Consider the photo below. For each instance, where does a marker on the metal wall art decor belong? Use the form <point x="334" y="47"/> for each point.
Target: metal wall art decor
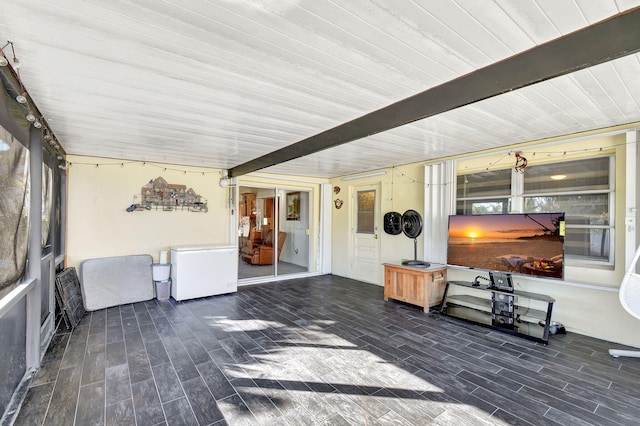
<point x="338" y="203"/>
<point x="157" y="194"/>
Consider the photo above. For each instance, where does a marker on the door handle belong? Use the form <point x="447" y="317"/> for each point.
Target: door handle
<point x="375" y="236"/>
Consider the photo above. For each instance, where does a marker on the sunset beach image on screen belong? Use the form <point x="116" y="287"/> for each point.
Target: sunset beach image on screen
<point x="530" y="243"/>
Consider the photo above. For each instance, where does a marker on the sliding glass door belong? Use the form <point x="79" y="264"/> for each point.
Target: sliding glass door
<point x="273" y="235"/>
<point x="294" y="229"/>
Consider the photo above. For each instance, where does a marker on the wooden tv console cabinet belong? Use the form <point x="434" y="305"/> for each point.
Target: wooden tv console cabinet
<point x="418" y="286"/>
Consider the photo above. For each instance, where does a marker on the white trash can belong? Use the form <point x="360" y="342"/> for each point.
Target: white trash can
<point x="163" y="289"/>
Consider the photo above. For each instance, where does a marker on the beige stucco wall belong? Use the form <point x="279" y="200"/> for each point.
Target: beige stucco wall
<point x="98" y="224"/>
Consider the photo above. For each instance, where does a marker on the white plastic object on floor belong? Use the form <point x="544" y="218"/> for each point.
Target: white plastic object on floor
<point x="620" y="352"/>
<point x="163" y="289"/>
<point x="161" y="271"/>
<point x="629" y="295"/>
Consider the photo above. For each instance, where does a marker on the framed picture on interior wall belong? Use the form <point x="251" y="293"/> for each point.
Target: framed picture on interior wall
<point x="293" y="206"/>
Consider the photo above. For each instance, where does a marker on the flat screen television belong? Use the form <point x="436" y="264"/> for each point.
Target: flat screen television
<point x="529" y="243"/>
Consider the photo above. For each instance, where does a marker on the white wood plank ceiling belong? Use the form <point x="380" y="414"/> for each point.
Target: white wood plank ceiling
<point x="219" y="83"/>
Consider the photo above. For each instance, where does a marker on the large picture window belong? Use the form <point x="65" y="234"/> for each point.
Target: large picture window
<point x="582" y="189"/>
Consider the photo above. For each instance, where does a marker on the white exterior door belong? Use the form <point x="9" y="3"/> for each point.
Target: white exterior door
<point x="364" y="264"/>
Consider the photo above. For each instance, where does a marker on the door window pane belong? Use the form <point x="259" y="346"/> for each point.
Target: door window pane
<point x="365" y="205"/>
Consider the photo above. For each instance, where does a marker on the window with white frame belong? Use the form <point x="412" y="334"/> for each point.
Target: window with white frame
<point x="486" y="192"/>
<point x="582" y="189"/>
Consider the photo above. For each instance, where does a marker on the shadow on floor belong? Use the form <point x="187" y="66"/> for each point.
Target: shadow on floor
<point x="319" y="350"/>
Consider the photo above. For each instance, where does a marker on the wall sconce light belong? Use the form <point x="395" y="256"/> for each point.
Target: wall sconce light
<point x="224" y="180"/>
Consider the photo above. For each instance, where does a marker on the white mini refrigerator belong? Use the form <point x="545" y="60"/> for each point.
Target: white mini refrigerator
<point x="204" y="270"/>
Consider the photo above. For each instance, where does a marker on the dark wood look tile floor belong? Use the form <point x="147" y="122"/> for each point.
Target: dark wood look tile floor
<point x="323" y="350"/>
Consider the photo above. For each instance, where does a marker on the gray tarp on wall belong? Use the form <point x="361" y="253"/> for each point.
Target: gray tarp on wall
<point x="14" y="209"/>
<point x="14" y="187"/>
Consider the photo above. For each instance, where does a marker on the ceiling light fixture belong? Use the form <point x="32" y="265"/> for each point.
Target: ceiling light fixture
<point x="366" y="175"/>
<point x="30" y="117"/>
<point x="558" y="177"/>
<point x="22" y="98"/>
<point x="37" y="124"/>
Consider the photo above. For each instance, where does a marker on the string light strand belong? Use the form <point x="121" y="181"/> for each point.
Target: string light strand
<point x="122" y="164"/>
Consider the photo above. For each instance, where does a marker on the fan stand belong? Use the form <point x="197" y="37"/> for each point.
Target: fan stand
<point x="415" y="261"/>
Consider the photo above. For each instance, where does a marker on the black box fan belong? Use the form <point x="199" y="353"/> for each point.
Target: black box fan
<point x="412" y="228"/>
<point x="392" y="223"/>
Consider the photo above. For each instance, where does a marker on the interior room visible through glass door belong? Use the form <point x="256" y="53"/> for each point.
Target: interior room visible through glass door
<point x="272" y="232"/>
<point x="257" y="221"/>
